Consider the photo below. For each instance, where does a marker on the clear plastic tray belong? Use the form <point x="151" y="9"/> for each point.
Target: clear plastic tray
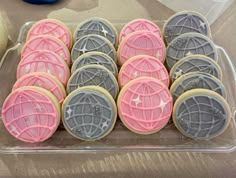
<point x="120" y="139"/>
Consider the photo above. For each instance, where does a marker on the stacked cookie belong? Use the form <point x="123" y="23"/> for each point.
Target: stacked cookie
<point x="144" y="103"/>
<point x="89" y="111"/>
<point x="31" y="113"/>
<point x="200" y="109"/>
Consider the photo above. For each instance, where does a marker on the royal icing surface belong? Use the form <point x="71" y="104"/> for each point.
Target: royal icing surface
<point x="44" y="61"/>
<point x="141" y="43"/>
<point x="46" y="42"/>
<point x="30" y="115"/>
<point x="145" y="105"/>
<point x="143" y="66"/>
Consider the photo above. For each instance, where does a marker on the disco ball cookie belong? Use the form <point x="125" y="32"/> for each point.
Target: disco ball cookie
<point x="141" y="43"/>
<point x="95" y="58"/>
<point x="97" y="26"/>
<point x="195" y="63"/>
<point x="93" y="75"/>
<point x="143" y="66"/>
<point x="51" y="27"/>
<point x="46" y="42"/>
<point x="194" y="80"/>
<point x="201" y="114"/>
<point x="185" y="22"/>
<point x="89" y="113"/>
<point x="43" y="80"/>
<point x="187" y="45"/>
<point x="139" y="25"/>
<point x="31" y="114"/>
<point x="145" y="105"/>
<point x="44" y="61"/>
<point x="90" y="43"/>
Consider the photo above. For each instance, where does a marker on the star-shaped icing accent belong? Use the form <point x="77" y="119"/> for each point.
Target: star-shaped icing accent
<point x="27" y="68"/>
<point x="69" y="111"/>
<point x="135" y="74"/>
<point x="137" y="100"/>
<point x="48" y="71"/>
<point x="162" y="105"/>
<point x="178" y="74"/>
<point x="84" y="49"/>
<point x="13" y="129"/>
<point x="104" y="124"/>
<point x="105" y="32"/>
<point x="202" y="24"/>
<point x="158" y="55"/>
<point x="189" y="53"/>
<point x="38" y="107"/>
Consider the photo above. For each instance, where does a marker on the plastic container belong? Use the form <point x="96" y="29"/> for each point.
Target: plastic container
<point x="121" y="139"/>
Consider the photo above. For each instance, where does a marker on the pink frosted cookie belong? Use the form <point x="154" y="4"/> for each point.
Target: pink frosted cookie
<point x="44" y="61"/>
<point x="43" y="80"/>
<point x="145" y="105"/>
<point x="141" y="42"/>
<point x="138" y="25"/>
<point x="31" y="114"/>
<point x="143" y="66"/>
<point x="46" y="42"/>
<point x="51" y="27"/>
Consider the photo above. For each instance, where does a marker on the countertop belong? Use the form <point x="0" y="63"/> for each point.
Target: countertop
<point x="130" y="164"/>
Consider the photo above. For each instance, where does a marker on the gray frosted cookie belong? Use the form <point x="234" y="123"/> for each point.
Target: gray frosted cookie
<point x="194" y="80"/>
<point x="201" y="114"/>
<point x="89" y="113"/>
<point x="90" y="43"/>
<point x="95" y="58"/>
<point x="96" y="75"/>
<point x="187" y="45"/>
<point x="97" y="26"/>
<point x="195" y="63"/>
<point x="185" y="22"/>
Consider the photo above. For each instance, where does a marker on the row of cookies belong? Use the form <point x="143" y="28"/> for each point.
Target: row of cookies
<point x="200" y="108"/>
<point x="32" y="111"/>
<point x="89" y="110"/>
<point x="144" y="103"/>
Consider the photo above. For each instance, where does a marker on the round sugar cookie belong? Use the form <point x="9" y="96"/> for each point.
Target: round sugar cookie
<point x="93" y="75"/>
<point x="194" y="80"/>
<point x="97" y="26"/>
<point x="201" y="114"/>
<point x="46" y="42"/>
<point x="90" y="43"/>
<point x="187" y="45"/>
<point x="31" y="114"/>
<point x="44" y="61"/>
<point x="141" y="43"/>
<point x="185" y="22"/>
<point x="143" y="66"/>
<point x="51" y="27"/>
<point x="195" y="63"/>
<point x="139" y="25"/>
<point x="95" y="58"/>
<point x="145" y="105"/>
<point x="43" y="80"/>
<point x="89" y="113"/>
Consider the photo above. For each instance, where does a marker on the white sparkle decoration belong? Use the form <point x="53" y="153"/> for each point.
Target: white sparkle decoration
<point x="135" y="74"/>
<point x="84" y="49"/>
<point x="27" y="68"/>
<point x="158" y="55"/>
<point x="105" y="32"/>
<point x="202" y="24"/>
<point x="38" y="107"/>
<point x="178" y="74"/>
<point x="137" y="100"/>
<point x="69" y="111"/>
<point x="189" y="53"/>
<point x="104" y="124"/>
<point x="162" y="105"/>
